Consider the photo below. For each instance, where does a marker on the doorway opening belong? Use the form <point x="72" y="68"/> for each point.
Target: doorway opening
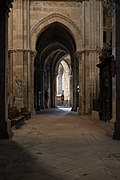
<point x="63" y="90"/>
<point x="54" y="72"/>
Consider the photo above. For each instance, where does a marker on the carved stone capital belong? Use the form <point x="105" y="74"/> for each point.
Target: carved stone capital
<point x="112" y="5"/>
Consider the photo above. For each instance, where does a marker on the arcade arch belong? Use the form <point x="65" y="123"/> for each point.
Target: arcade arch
<point x="41" y="25"/>
<point x="54" y="43"/>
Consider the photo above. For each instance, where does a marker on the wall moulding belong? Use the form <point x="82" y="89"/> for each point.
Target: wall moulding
<point x="25" y="52"/>
<point x="19" y="50"/>
<point x="88" y="51"/>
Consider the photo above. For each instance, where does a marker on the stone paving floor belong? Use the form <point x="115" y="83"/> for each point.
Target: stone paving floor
<point x="60" y="145"/>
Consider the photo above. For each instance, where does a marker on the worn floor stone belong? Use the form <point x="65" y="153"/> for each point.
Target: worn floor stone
<point x="60" y="145"/>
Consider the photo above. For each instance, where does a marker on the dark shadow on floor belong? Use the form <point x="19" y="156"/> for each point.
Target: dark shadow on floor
<point x="18" y="164"/>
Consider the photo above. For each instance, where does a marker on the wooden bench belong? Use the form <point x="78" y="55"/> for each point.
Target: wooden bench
<point x="15" y="116"/>
<point x="26" y="113"/>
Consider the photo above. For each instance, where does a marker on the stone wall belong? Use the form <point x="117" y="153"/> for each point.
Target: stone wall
<point x="28" y="19"/>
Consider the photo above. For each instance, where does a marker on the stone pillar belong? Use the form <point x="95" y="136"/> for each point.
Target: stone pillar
<point x="10" y="79"/>
<point x="51" y="89"/>
<point x="19" y="66"/>
<point x="116" y="52"/>
<point x="81" y="80"/>
<point x="59" y="83"/>
<point x="54" y="86"/>
<point x="41" y="84"/>
<point x="85" y="69"/>
<point x="95" y="44"/>
<point x="71" y="87"/>
<point x="48" y="79"/>
<point x="74" y="71"/>
<point x="4" y="9"/>
<point x="25" y="76"/>
<point x="31" y="86"/>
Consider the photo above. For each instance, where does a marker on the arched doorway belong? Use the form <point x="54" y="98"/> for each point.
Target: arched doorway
<point x="63" y="83"/>
<point x="54" y="43"/>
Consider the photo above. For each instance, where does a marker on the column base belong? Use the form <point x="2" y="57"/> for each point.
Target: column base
<point x="3" y="130"/>
<point x="116" y="134"/>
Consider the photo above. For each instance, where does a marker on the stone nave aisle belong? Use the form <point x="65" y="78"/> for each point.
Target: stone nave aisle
<point x="58" y="144"/>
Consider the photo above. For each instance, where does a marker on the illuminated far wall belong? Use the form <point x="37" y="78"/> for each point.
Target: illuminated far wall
<point x="63" y="83"/>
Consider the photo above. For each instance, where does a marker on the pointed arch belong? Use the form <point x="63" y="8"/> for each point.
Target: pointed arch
<point x="40" y="25"/>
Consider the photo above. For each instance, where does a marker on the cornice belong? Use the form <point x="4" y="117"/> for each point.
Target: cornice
<point x="87" y="51"/>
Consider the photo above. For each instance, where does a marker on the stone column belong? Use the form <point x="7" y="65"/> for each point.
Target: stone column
<point x="41" y="86"/>
<point x="31" y="86"/>
<point x="59" y="83"/>
<point x="10" y="87"/>
<point x="54" y="90"/>
<point x="4" y="10"/>
<point x="116" y="52"/>
<point x="26" y="57"/>
<point x="48" y="79"/>
<point x="95" y="44"/>
<point x="71" y="87"/>
<point x="48" y="88"/>
<point x="25" y="76"/>
<point x="85" y="69"/>
<point x="81" y="80"/>
<point x="73" y="66"/>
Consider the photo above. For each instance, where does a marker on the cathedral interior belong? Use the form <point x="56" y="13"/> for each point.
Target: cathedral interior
<point x="59" y="54"/>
